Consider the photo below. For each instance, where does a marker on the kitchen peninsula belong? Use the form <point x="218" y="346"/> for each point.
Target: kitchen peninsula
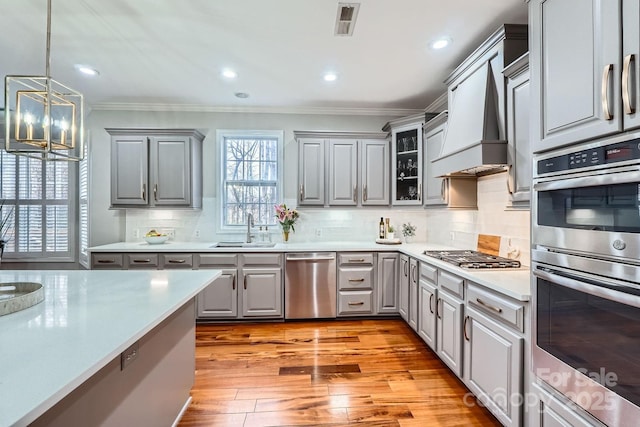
<point x="104" y="347"/>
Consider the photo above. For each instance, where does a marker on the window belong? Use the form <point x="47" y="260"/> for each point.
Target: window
<point x="251" y="164"/>
<point x="83" y="208"/>
<point x="38" y="195"/>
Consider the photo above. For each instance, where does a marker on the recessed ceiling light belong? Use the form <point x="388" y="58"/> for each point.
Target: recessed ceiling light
<point x="330" y="77"/>
<point x="229" y="73"/>
<point x="241" y="95"/>
<point x="85" y="69"/>
<point x="440" y="43"/>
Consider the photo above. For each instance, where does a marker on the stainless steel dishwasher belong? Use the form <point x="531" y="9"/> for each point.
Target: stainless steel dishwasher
<point x="310" y="285"/>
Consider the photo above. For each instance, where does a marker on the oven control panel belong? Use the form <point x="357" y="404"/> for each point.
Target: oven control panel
<point x="606" y="154"/>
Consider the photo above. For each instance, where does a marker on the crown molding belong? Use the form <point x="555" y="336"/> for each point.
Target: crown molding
<point x="191" y="108"/>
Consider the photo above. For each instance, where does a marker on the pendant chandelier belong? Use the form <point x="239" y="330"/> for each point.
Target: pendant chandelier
<point x="43" y="118"/>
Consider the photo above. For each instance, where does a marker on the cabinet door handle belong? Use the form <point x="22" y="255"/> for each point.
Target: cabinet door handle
<point x="606" y="73"/>
<point x="301" y="192"/>
<point x="431" y="302"/>
<point x="404" y="268"/>
<point x="177" y="261"/>
<point x="509" y="177"/>
<point x="155" y="192"/>
<point x="364" y="194"/>
<point x="464" y="328"/>
<point x="355" y="193"/>
<point x="106" y="261"/>
<point x="438" y="311"/>
<point x="141" y="261"/>
<point x="244" y="285"/>
<point x="356" y="280"/>
<point x="356" y="303"/>
<point x="233" y="282"/>
<point x="490" y="307"/>
<point x="413" y="273"/>
<point x="419" y="192"/>
<point x="144" y="192"/>
<point x="626" y="95"/>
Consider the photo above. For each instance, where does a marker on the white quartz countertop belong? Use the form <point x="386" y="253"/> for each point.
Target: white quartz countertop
<point x="510" y="282"/>
<point x="87" y="319"/>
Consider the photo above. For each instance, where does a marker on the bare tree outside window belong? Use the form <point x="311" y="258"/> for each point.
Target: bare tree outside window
<point x="250" y="181"/>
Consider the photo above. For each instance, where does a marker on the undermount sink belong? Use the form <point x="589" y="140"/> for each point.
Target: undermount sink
<point x="243" y="245"/>
<point x="17" y="296"/>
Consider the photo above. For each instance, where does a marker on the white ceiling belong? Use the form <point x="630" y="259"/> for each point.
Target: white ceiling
<point x="170" y="53"/>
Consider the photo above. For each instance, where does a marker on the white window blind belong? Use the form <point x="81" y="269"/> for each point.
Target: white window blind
<point x="251" y="171"/>
<point x="83" y="208"/>
<point x="38" y="196"/>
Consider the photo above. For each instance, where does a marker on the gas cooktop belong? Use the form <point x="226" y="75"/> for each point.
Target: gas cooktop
<point x="473" y="259"/>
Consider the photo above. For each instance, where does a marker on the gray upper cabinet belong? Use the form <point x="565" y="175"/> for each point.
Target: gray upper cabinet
<point x="576" y="69"/>
<point x="434" y="129"/>
<point x="374" y="167"/>
<point x="343" y="172"/>
<point x="631" y="64"/>
<point x="406" y="160"/>
<point x="518" y="148"/>
<point x="311" y="153"/>
<point x="343" y="169"/>
<point x="153" y="167"/>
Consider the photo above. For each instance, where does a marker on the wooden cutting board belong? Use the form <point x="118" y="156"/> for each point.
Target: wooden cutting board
<point x="489" y="244"/>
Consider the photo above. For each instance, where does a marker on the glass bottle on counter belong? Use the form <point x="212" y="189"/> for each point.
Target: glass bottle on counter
<point x="381" y="229"/>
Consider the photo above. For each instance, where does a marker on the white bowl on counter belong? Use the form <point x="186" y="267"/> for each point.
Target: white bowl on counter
<point x="156" y="240"/>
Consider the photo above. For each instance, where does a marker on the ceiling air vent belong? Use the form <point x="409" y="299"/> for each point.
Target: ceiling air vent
<point x="346" y="18"/>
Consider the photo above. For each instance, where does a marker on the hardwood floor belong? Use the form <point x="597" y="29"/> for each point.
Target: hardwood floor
<point x="324" y="373"/>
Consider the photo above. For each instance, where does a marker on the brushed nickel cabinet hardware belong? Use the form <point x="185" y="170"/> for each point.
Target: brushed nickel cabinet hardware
<point x="490" y="307"/>
<point x="606" y="73"/>
<point x="626" y="96"/>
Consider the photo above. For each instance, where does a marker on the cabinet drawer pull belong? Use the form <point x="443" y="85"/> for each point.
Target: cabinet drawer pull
<point x="464" y="328"/>
<point x="357" y="303"/>
<point x="606" y="73"/>
<point x="141" y="261"/>
<point x="626" y="96"/>
<point x="144" y="192"/>
<point x="356" y="280"/>
<point x="106" y="261"/>
<point x="356" y="259"/>
<point x="490" y="307"/>
<point x="177" y="261"/>
<point x="431" y="303"/>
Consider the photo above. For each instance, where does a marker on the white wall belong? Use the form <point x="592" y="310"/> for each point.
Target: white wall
<point x="433" y="225"/>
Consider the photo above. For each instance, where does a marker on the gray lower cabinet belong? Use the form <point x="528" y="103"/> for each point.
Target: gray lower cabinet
<point x="154" y="167"/>
<point x="356" y="281"/>
<point x="557" y="411"/>
<point x="450" y="311"/>
<point x="518" y="147"/>
<point x="403" y="288"/>
<point x="262" y="291"/>
<point x="220" y="299"/>
<point x="493" y="366"/>
<point x="427" y="300"/>
<point x="413" y="294"/>
<point x="387" y="289"/>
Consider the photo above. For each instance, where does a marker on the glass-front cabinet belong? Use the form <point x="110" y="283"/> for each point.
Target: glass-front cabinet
<point x="406" y="166"/>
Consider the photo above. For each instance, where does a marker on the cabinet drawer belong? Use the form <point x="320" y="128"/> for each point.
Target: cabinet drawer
<point x="355" y="278"/>
<point x="170" y="261"/>
<point x="355" y="258"/>
<point x="509" y="311"/>
<point x="355" y="302"/>
<point x="114" y="261"/>
<point x="428" y="273"/>
<point x="452" y="283"/>
<point x="141" y="260"/>
<point x="262" y="259"/>
<point x="215" y="260"/>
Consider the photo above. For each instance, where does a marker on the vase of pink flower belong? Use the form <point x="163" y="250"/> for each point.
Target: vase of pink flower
<point x="287" y="218"/>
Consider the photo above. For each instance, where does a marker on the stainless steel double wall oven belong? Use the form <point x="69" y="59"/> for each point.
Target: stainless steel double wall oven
<point x="586" y="275"/>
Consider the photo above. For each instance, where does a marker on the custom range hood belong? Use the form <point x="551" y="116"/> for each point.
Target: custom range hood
<point x="475" y="141"/>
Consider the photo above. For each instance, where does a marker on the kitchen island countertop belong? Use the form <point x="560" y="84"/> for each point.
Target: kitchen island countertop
<point x="514" y="283"/>
<point x="86" y="320"/>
